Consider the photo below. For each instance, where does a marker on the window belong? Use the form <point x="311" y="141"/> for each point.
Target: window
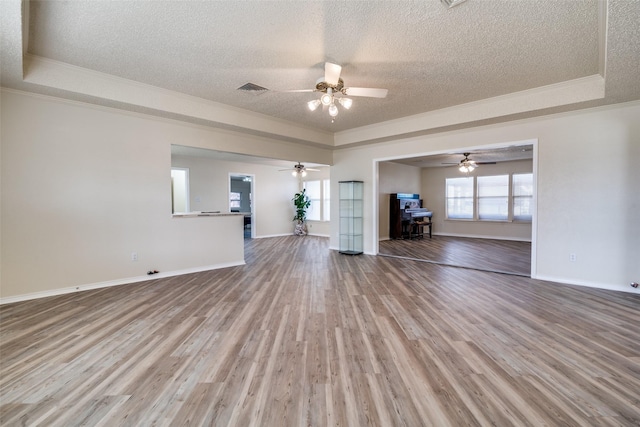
<point x="314" y="213"/>
<point x="179" y="190"/>
<point x="319" y="195"/>
<point x="490" y="198"/>
<point x="459" y="193"/>
<point x="493" y="197"/>
<point x="522" y="196"/>
<point x="326" y="199"/>
<point x="235" y="200"/>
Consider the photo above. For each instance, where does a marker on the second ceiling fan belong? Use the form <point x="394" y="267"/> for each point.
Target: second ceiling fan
<point x="467" y="165"/>
<point x="300" y="170"/>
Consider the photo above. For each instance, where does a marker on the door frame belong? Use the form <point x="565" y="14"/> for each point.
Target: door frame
<point x="252" y="198"/>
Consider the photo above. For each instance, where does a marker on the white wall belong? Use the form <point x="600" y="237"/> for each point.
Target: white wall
<point x="433" y="193"/>
<point x="83" y="187"/>
<point x="394" y="178"/>
<point x="588" y="188"/>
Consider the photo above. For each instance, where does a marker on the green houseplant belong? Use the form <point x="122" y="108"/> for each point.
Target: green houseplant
<point x="301" y="202"/>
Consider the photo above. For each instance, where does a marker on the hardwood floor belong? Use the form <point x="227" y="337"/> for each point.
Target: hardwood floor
<point x="302" y="335"/>
<point x="501" y="256"/>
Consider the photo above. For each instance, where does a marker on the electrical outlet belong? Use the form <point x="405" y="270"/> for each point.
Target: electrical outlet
<point x="572" y="257"/>
<point x="134" y="256"/>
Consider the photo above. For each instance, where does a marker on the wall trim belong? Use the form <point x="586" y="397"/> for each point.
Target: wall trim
<point x="266" y="236"/>
<point x="318" y="234"/>
<point x="587" y="284"/>
<point x="479" y="236"/>
<point x="110" y="88"/>
<point x="117" y="282"/>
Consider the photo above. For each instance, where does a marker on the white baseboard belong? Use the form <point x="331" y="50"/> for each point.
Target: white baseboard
<point x="477" y="236"/>
<point x="266" y="236"/>
<point x="117" y="282"/>
<point x="597" y="285"/>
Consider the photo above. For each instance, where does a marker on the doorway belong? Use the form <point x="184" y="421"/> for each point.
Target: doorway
<point x="241" y="200"/>
<point x="506" y="245"/>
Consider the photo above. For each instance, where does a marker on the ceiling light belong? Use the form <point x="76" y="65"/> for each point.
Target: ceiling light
<point x="452" y="3"/>
<point x="303" y="173"/>
<point x="314" y="104"/>
<point x="333" y="110"/>
<point x="327" y="98"/>
<point x="346" y="102"/>
<point x="466" y="168"/>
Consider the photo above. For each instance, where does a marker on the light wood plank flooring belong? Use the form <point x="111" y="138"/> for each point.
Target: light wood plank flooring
<point x="304" y="336"/>
<point x="502" y="256"/>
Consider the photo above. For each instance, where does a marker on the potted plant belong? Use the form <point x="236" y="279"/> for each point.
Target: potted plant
<point x="302" y="203"/>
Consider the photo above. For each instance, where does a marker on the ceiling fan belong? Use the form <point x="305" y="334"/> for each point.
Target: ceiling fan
<point x="331" y="85"/>
<point x="300" y="170"/>
<point x="467" y="165"/>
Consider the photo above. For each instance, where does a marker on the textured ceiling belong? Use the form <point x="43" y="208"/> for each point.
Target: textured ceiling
<point x="429" y="57"/>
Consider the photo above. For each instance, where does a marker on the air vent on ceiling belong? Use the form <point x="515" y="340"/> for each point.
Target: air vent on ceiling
<point x="252" y="87"/>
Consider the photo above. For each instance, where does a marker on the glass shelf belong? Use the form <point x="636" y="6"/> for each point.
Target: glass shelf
<point x="351" y="217"/>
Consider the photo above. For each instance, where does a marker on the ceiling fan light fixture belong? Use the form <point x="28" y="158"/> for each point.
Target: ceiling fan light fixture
<point x="346" y="102"/>
<point x="467" y="166"/>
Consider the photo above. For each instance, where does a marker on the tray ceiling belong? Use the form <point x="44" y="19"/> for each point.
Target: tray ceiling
<point x="430" y="58"/>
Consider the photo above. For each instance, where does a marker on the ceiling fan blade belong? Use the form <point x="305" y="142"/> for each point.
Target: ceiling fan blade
<point x="332" y="73"/>
<point x="366" y="91"/>
<point x="312" y="169"/>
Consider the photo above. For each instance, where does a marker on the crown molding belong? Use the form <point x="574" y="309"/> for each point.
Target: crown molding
<point x="71" y="78"/>
<point x="569" y="92"/>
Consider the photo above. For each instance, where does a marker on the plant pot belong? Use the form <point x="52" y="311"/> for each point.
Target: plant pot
<point x="300" y="228"/>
